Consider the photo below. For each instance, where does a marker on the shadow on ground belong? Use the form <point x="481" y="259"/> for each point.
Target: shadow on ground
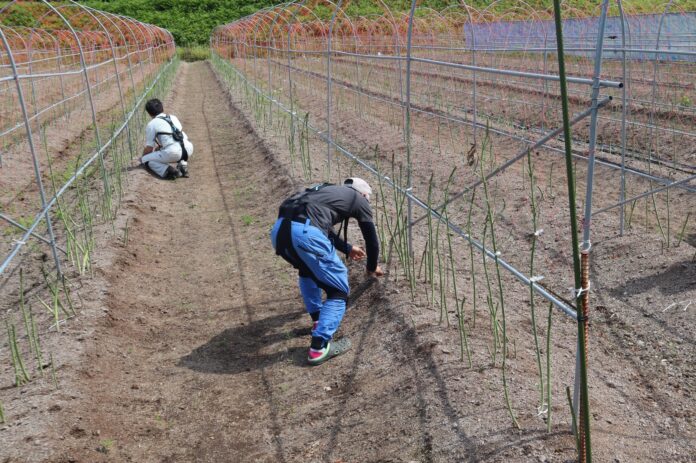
<point x="238" y="349"/>
<point x="676" y="279"/>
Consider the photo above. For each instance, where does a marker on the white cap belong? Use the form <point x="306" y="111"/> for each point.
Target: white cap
<point x="359" y="185"/>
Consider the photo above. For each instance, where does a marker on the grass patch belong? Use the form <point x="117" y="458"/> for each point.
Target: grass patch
<point x="105" y="446"/>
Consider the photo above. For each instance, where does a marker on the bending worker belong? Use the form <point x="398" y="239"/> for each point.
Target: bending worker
<point x="303" y="235"/>
<point x="165" y="143"/>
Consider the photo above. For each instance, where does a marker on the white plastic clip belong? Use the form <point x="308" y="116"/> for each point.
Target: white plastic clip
<point x="536" y="278"/>
<point x="579" y="291"/>
<point x="539" y="232"/>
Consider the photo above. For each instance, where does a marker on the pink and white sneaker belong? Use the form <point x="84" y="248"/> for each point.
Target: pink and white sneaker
<point x="332" y="349"/>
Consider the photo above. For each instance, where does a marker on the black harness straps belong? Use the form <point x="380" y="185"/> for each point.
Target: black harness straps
<point x="293" y="209"/>
<point x="176" y="134"/>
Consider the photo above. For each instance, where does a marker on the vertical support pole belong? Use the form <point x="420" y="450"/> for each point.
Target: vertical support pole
<point x="397" y="39"/>
<point x="130" y="73"/>
<point x="651" y="141"/>
<point x="546" y="83"/>
<point x="107" y="188"/>
<point x="237" y="51"/>
<point x="139" y="36"/>
<point x="586" y="224"/>
<point x="30" y="62"/>
<point x="289" y="56"/>
<point x="585" y="296"/>
<point x="473" y="75"/>
<point x="358" y="49"/>
<point x="622" y="192"/>
<point x="653" y="93"/>
<point x="269" y="49"/>
<point x="255" y="48"/>
<point x="581" y="403"/>
<point x="150" y="46"/>
<point x="32" y="149"/>
<point x="407" y="134"/>
<point x="328" y="91"/>
<point x="59" y="60"/>
<point x="282" y="10"/>
<point x="581" y="366"/>
<point x="245" y="43"/>
<point x="118" y="78"/>
<point x="289" y="53"/>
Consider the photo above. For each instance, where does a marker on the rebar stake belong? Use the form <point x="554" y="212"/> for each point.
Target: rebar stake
<point x="585" y="285"/>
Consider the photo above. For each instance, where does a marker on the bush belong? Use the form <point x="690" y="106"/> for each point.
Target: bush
<point x="193" y="53"/>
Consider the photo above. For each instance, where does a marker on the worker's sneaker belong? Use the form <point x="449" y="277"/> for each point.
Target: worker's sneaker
<point x="183" y="169"/>
<point x="332" y="349"/>
<point x="171" y="173"/>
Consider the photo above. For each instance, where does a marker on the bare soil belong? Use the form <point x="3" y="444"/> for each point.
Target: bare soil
<point x="191" y="342"/>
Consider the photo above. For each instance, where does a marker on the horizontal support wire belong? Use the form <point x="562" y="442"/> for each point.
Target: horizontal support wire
<point x="647" y="193"/>
<point x="565" y="306"/>
<point x="635" y="100"/>
<point x="48" y="108"/>
<point x="577" y="155"/>
<point x="42" y="214"/>
<point x="61" y="57"/>
<point x="527" y="75"/>
<point x="665" y="51"/>
<point x="62" y="73"/>
<point x="35" y="235"/>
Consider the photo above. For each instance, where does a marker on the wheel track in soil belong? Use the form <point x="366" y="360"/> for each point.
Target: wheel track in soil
<point x="220" y="170"/>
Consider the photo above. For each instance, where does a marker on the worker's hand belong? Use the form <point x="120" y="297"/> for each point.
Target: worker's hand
<point x="357" y="253"/>
<point x="377" y="273"/>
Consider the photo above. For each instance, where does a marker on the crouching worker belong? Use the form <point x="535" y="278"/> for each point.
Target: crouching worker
<point x="304" y="236"/>
<point x="165" y="143"/>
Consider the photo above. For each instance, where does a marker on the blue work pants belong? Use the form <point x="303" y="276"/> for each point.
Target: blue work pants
<point x="326" y="271"/>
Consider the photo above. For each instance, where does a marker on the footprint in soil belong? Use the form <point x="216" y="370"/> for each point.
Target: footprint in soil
<point x="238" y="349"/>
<point x="78" y="432"/>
